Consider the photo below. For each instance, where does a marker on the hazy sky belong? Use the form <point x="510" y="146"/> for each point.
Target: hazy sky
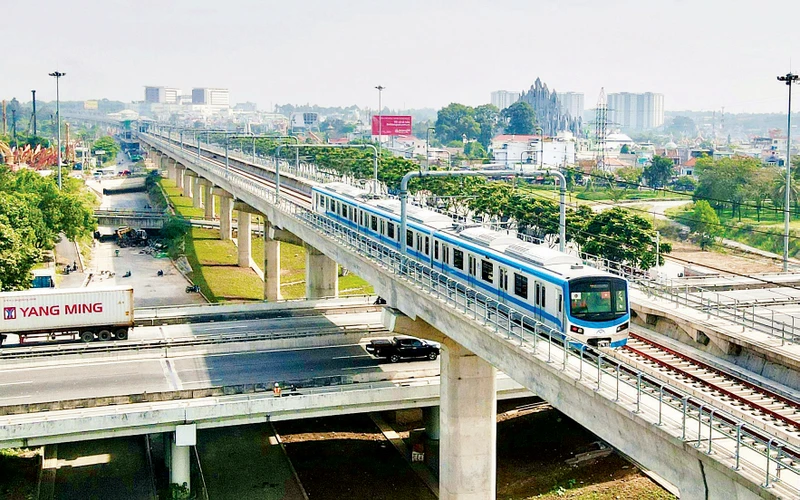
<point x="701" y="54"/>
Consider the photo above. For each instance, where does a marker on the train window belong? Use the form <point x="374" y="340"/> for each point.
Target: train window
<point x="537" y="294"/>
<point x="473" y="264"/>
<point x="409" y="238"/>
<point x="520" y="286"/>
<point x="544" y="296"/>
<point x="560" y="302"/>
<point x="419" y="243"/>
<point x="390" y="230"/>
<point x="621" y="305"/>
<point x="458" y="259"/>
<point x="503" y="279"/>
<point x="383" y="226"/>
<point x="487" y="271"/>
<point x="436" y="249"/>
<point x="344" y="210"/>
<point x="334" y="207"/>
<point x="427" y="246"/>
<point x="373" y="222"/>
<point x="360" y="217"/>
<point x="354" y="215"/>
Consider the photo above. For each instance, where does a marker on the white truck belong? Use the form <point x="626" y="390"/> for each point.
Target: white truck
<point x="85" y="313"/>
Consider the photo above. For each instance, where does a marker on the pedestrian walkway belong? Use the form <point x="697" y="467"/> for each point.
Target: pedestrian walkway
<point x="67" y="254"/>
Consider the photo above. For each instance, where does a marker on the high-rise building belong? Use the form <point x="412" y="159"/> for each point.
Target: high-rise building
<point x="504" y="98"/>
<point x="636" y="111"/>
<point x="571" y="102"/>
<point x="161" y="95"/>
<point x="211" y="97"/>
<point x="153" y="95"/>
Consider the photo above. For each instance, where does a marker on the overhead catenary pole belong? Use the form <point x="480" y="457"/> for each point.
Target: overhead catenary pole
<point x="562" y="220"/>
<point x="57" y="75"/>
<point x="376" y="153"/>
<point x="789" y="79"/>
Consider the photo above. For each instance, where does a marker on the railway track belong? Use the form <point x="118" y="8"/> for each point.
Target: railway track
<point x="754" y="404"/>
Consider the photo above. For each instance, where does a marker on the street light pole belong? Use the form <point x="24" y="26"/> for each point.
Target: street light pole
<point x="789" y="79"/>
<point x="380" y="124"/>
<point x="58" y="75"/>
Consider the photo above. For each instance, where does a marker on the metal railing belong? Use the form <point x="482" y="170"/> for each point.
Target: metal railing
<point x="707" y="427"/>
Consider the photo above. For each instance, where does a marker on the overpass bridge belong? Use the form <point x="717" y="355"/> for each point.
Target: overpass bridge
<point x="698" y="444"/>
<point x="140" y="219"/>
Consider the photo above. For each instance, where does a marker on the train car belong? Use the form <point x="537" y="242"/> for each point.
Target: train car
<point x="587" y="305"/>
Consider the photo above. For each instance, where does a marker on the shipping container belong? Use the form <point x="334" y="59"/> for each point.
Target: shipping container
<point x="85" y="313"/>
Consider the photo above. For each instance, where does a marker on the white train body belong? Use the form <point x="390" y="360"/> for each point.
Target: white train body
<point x="583" y="303"/>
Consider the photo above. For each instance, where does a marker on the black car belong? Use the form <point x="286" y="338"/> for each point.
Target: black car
<point x="402" y="348"/>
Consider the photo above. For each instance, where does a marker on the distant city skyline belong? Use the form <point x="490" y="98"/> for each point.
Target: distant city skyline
<point x="426" y="54"/>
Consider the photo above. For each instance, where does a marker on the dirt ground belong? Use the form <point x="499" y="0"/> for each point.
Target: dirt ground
<point x="726" y="259"/>
<point x="19" y="472"/>
<point x="347" y="457"/>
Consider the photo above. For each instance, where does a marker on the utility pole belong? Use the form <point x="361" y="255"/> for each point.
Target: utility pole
<point x="58" y="75"/>
<point x="789" y="79"/>
<point x="380" y="122"/>
<point x="14" y="126"/>
<point x="34" y="112"/>
<point x="4" y="117"/>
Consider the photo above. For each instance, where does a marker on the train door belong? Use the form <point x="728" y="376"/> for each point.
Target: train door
<point x="502" y="285"/>
<point x="473" y="269"/>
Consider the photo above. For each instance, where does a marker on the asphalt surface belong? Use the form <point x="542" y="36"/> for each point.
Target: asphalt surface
<point x="109" y="377"/>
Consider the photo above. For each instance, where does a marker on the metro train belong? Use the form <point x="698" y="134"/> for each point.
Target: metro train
<point x="529" y="278"/>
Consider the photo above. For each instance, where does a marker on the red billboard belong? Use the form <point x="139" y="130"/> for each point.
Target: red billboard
<point x="391" y="125"/>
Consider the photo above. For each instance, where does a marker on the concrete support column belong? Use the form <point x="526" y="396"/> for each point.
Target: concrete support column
<point x="208" y="199"/>
<point x="469" y="432"/>
<point x="197" y="193"/>
<point x="430" y="419"/>
<point x="179" y="458"/>
<point x="272" y="265"/>
<point x="322" y="274"/>
<point x="243" y="238"/>
<point x="225" y="213"/>
<point x="179" y="171"/>
<point x="179" y="471"/>
<point x="188" y="183"/>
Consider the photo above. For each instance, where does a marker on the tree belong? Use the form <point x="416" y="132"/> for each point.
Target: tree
<point x="487" y="116"/>
<point x="475" y="150"/>
<point x="631" y="177"/>
<point x="455" y="121"/>
<point x="658" y="172"/>
<point x="624" y="149"/>
<point x="623" y="237"/>
<point x="685" y="183"/>
<point x="761" y="186"/>
<point x="107" y="144"/>
<point x="682" y="126"/>
<point x="520" y="118"/>
<point x="723" y="181"/>
<point x="704" y="222"/>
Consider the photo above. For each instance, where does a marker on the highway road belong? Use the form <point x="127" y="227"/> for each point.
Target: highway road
<point x="195" y="369"/>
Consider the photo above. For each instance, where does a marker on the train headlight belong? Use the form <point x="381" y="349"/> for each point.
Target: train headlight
<point x="623" y="326"/>
<point x="576" y="329"/>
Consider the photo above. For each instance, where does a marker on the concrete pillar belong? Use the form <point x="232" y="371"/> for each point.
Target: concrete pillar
<point x="179" y="470"/>
<point x="322" y="274"/>
<point x="469" y="432"/>
<point x="225" y="213"/>
<point x="208" y="200"/>
<point x="179" y="171"/>
<point x="179" y="459"/>
<point x="243" y="237"/>
<point x="272" y="265"/>
<point x="430" y="419"/>
<point x="188" y="183"/>
<point x="197" y="193"/>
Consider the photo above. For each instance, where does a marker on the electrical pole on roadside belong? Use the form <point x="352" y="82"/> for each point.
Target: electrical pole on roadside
<point x="789" y="79"/>
<point x="58" y="75"/>
<point x="33" y="117"/>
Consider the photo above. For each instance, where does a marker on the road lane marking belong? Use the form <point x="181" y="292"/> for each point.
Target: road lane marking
<point x="171" y="375"/>
<point x="17" y="383"/>
<point x="352" y="357"/>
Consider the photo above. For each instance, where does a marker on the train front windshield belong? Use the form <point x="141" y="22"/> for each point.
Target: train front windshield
<point x="598" y="299"/>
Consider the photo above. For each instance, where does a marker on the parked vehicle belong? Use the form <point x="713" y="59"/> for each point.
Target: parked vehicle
<point x="88" y="314"/>
<point x="130" y="237"/>
<point x="402" y="348"/>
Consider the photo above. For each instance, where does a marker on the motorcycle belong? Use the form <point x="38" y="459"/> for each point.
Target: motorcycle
<point x="192" y="288"/>
<point x="160" y="272"/>
<point x="126" y="275"/>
